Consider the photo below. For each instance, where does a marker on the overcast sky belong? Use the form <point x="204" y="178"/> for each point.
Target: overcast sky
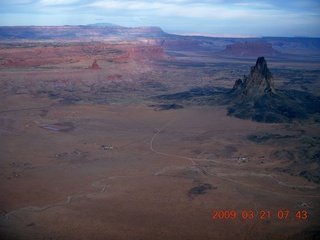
<point x="231" y="17"/>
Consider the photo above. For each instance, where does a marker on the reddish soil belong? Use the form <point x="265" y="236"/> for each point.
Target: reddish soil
<point x="57" y="55"/>
<point x="88" y="154"/>
<point x="141" y="188"/>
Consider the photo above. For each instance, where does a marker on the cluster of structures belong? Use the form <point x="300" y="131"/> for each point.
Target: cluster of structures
<point x="104" y="147"/>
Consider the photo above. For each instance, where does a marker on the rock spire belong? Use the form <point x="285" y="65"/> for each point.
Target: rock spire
<point x="259" y="82"/>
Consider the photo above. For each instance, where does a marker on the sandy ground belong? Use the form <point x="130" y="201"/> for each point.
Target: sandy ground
<point x="130" y="172"/>
<point x="109" y="166"/>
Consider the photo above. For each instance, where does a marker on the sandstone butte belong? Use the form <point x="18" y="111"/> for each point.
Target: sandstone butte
<point x="95" y="65"/>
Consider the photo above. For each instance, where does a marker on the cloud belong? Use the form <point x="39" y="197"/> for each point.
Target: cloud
<point x="128" y="5"/>
<point x="57" y="2"/>
<point x="200" y="9"/>
<point x="16" y="2"/>
<point x="216" y="9"/>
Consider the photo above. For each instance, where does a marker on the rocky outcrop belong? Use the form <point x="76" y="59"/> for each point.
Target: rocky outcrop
<point x="255" y="98"/>
<point x="259" y="82"/>
<point x="95" y="65"/>
<point x="250" y="49"/>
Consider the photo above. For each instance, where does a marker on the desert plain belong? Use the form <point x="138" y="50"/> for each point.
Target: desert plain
<point x="92" y="147"/>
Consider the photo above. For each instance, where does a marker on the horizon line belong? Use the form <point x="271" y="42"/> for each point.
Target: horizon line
<point x="176" y="32"/>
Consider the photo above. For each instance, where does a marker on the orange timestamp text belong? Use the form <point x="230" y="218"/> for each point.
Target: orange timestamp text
<point x="262" y="214"/>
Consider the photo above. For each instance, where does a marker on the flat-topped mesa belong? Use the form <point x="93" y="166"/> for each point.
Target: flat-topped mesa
<point x="79" y="33"/>
<point x="252" y="49"/>
<point x="259" y="82"/>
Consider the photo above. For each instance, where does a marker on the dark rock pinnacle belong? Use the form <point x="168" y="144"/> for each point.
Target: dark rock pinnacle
<point x="259" y="82"/>
<point x="254" y="98"/>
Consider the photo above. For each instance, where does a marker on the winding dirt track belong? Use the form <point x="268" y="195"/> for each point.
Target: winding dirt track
<point x="103" y="184"/>
<point x="228" y="175"/>
<point x="166" y="154"/>
<point x="292" y="197"/>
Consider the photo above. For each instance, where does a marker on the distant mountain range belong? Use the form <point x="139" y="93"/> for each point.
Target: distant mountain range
<point x="102" y="25"/>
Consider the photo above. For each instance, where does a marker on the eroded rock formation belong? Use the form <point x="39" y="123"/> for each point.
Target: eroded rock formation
<point x="255" y="98"/>
<point x="61" y="54"/>
<point x="259" y="82"/>
<point x="95" y="65"/>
